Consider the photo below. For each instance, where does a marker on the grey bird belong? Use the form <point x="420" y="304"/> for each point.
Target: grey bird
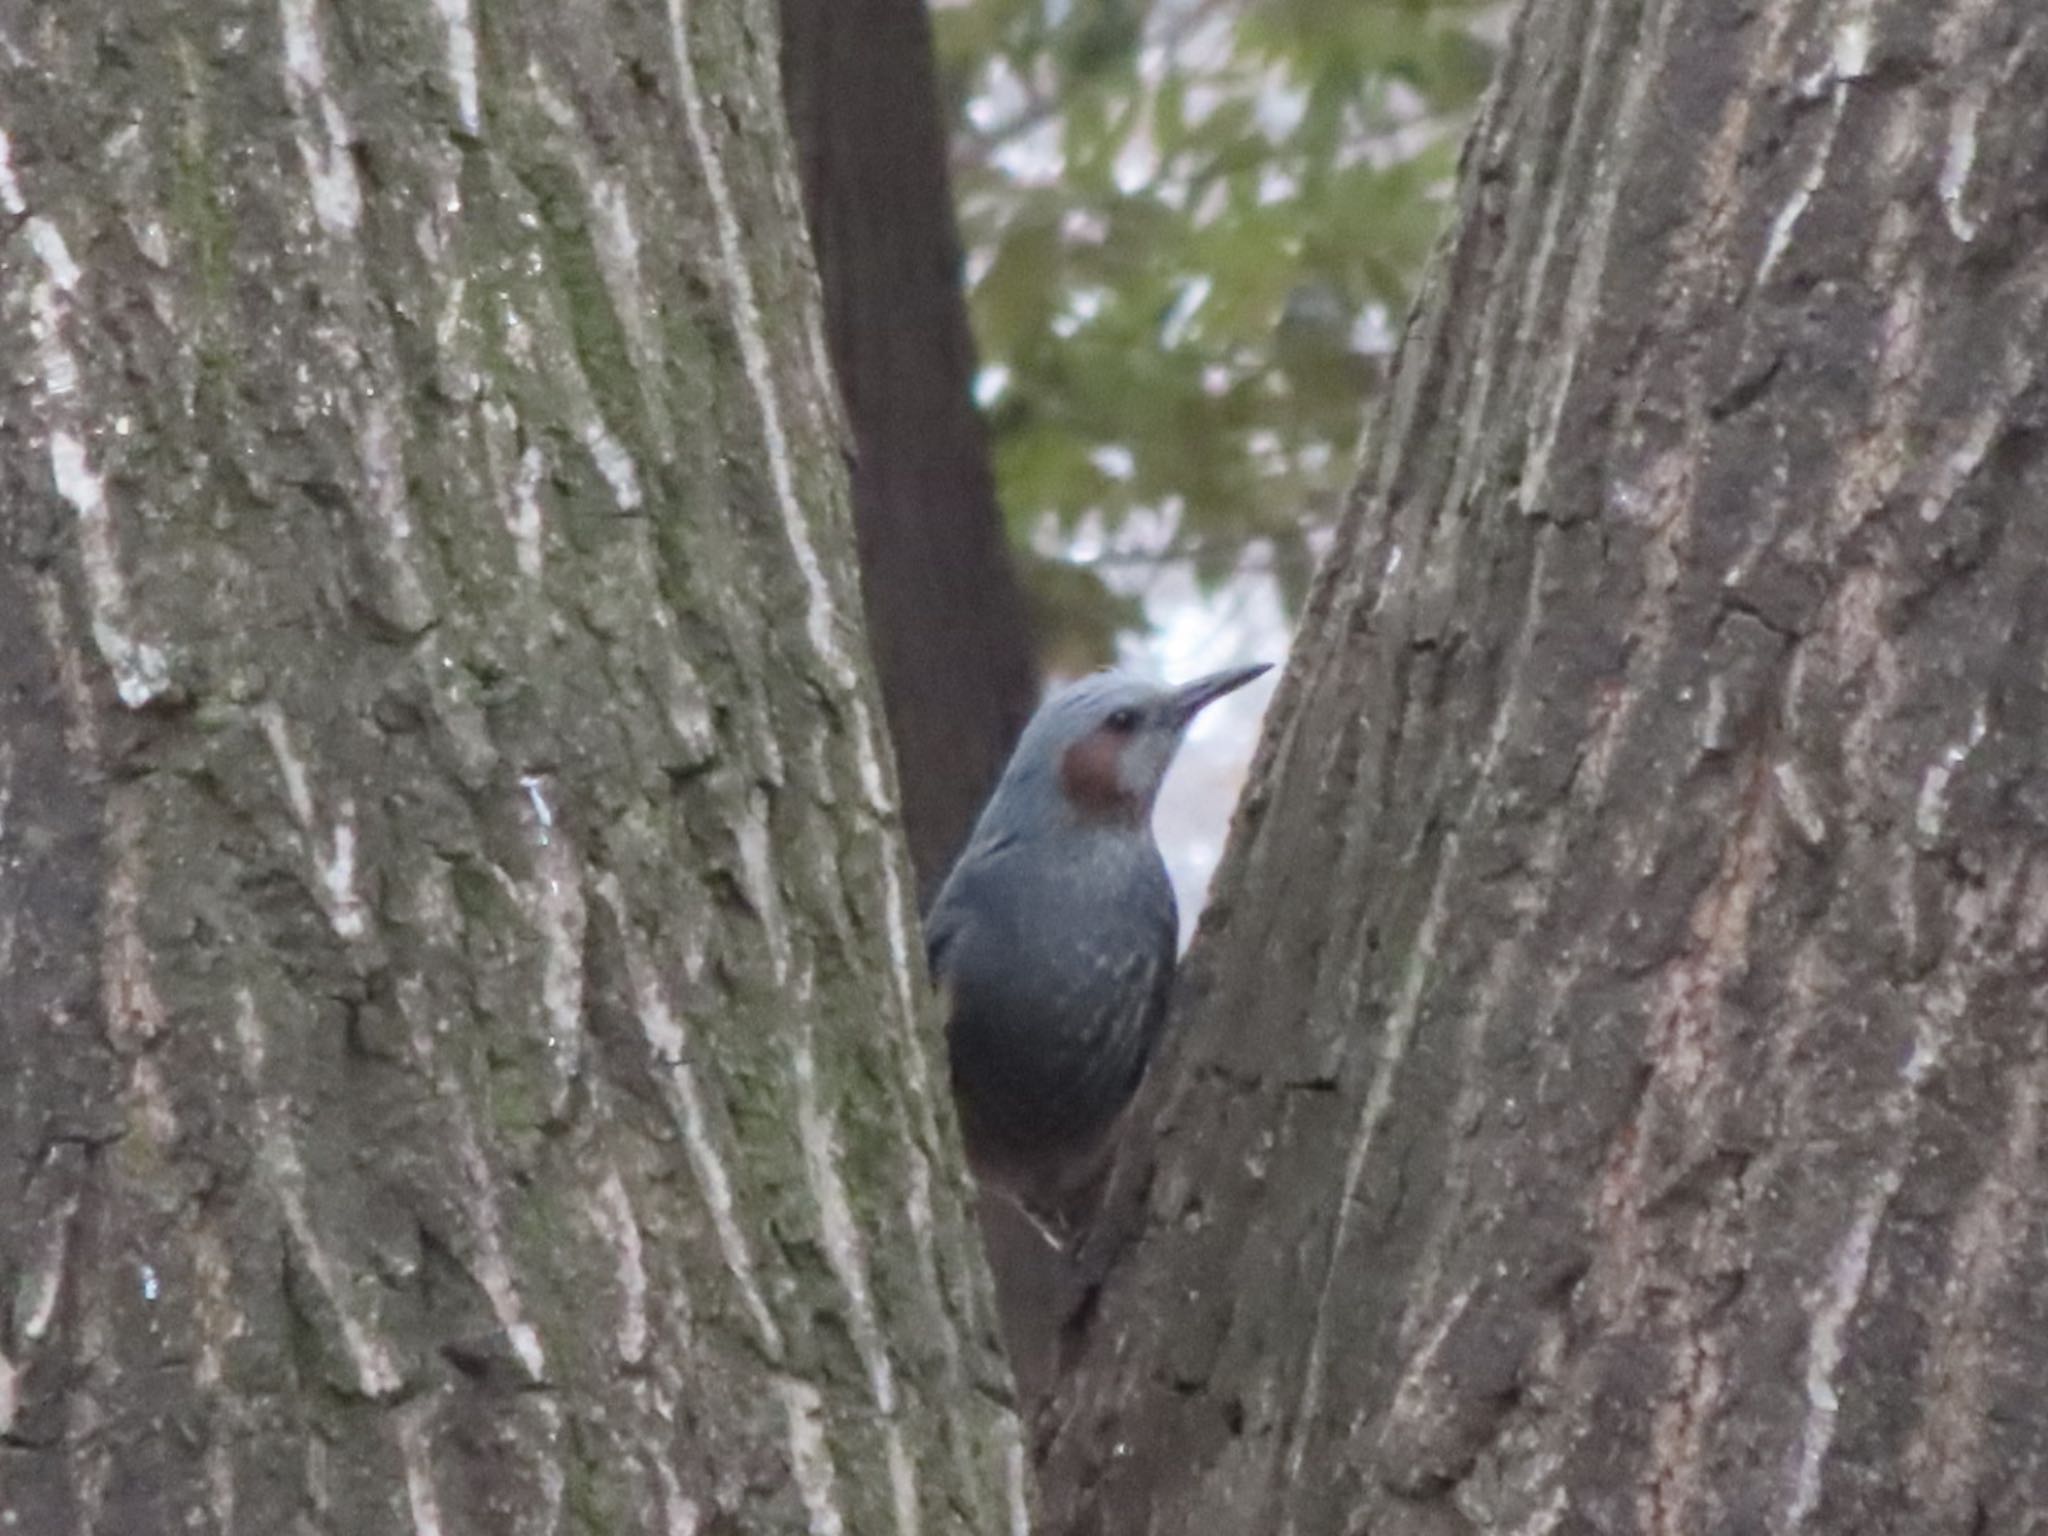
<point x="1053" y="940"/>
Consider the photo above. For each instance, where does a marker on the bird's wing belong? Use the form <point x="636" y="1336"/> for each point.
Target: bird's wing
<point x="1159" y="989"/>
<point x="1062" y="1194"/>
<point x="950" y="909"/>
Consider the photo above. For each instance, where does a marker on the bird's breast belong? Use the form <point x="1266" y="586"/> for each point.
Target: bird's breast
<point x="1056" y="976"/>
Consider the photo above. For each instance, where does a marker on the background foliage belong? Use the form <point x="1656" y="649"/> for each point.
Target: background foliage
<point x="1192" y="230"/>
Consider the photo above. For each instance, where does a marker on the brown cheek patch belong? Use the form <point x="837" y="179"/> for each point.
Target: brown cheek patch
<point x="1088" y="775"/>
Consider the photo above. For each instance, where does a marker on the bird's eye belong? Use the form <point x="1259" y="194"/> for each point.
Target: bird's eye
<point x="1122" y="720"/>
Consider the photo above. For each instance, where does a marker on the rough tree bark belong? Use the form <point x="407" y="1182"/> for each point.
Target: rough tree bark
<point x="946" y="616"/>
<point x="462" y="1071"/>
<point x="1611" y="1094"/>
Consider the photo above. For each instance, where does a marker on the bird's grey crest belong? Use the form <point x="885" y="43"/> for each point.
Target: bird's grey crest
<point x="1136" y="724"/>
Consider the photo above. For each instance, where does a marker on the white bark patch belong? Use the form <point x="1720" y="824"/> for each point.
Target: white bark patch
<point x="902" y="1478"/>
<point x="345" y="909"/>
<point x="689" y="707"/>
<point x="844" y="1251"/>
<point x="764" y="892"/>
<point x="618" y="258"/>
<point x="459" y="19"/>
<point x="1794" y="209"/>
<point x="900" y="974"/>
<point x="141" y="673"/>
<point x="334" y="870"/>
<point x="284" y="1173"/>
<point x="39" y="1286"/>
<point x="615" y="1218"/>
<point x="322" y="131"/>
<point x="1852" y="45"/>
<point x="1848" y="1271"/>
<point x="493" y="1272"/>
<point x="1415" y="1388"/>
<point x="1930" y="808"/>
<point x="448" y="323"/>
<point x="1842" y="1289"/>
<point x="1960" y="160"/>
<point x="1013" y="1476"/>
<point x="824" y="381"/>
<point x="557" y="910"/>
<point x="380" y="449"/>
<point x="550" y="1466"/>
<point x="1847" y="62"/>
<point x="1546" y="1517"/>
<point x="1713" y="734"/>
<point x="10" y="1393"/>
<point x="612" y="461"/>
<point x="319" y="1482"/>
<point x="810" y="1459"/>
<point x="298" y="788"/>
<point x="679" y="1513"/>
<point x="10" y="190"/>
<point x="1796" y="799"/>
<point x="537" y="800"/>
<point x="524" y="518"/>
<point x="47" y="241"/>
<point x="418" y="1457"/>
<point x="220" y="1484"/>
<point x="669" y="1043"/>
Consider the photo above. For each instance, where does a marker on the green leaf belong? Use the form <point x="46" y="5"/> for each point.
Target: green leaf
<point x="1290" y="160"/>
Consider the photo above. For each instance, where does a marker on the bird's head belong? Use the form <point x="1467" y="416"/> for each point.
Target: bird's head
<point x="1102" y="745"/>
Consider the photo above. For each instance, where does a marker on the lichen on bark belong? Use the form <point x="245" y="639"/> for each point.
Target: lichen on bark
<point x="471" y="1071"/>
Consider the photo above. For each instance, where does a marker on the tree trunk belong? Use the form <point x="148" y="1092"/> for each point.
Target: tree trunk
<point x="1610" y="1087"/>
<point x="945" y="613"/>
<point x="464" y="1070"/>
<point x="946" y="616"/>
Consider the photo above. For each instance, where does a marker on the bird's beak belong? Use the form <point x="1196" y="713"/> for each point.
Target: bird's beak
<point x="1190" y="699"/>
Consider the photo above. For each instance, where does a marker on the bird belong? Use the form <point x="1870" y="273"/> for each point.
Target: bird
<point x="1052" y="940"/>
